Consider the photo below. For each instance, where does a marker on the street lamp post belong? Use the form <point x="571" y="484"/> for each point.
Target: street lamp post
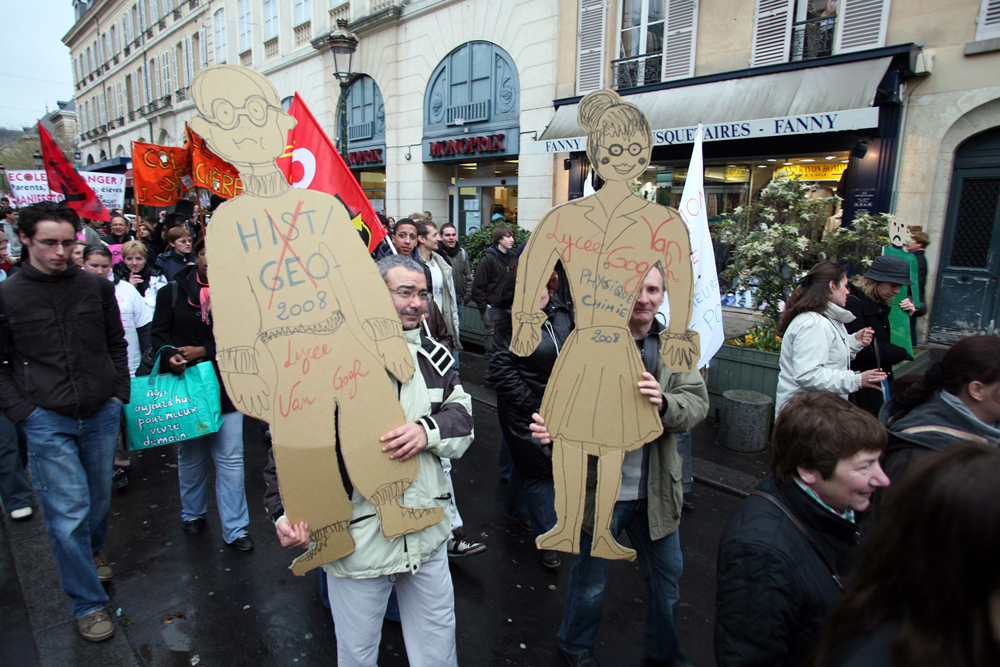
<point x="343" y="43"/>
<point x="38" y="160"/>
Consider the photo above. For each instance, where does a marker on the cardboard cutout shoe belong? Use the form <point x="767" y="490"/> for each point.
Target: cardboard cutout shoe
<point x="607" y="242"/>
<point x="304" y="326"/>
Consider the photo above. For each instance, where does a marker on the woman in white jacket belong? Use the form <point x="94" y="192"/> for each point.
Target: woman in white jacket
<point x="816" y="350"/>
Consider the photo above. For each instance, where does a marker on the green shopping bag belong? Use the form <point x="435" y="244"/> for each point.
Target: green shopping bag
<point x="167" y="408"/>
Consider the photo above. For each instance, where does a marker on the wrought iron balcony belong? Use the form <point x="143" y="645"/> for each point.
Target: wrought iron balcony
<point x="362" y="131"/>
<point x="637" y="71"/>
<point x="468" y="113"/>
<point x="813" y="38"/>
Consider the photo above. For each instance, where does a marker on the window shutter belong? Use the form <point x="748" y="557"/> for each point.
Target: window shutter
<point x="154" y="12"/>
<point x="202" y="48"/>
<point x="188" y="61"/>
<point x="173" y="68"/>
<point x="988" y="21"/>
<point x="121" y="100"/>
<point x="135" y="91"/>
<point x="127" y="26"/>
<point x="165" y="67"/>
<point x="772" y="32"/>
<point x="680" y="37"/>
<point x="861" y="25"/>
<point x="142" y="16"/>
<point x="590" y="50"/>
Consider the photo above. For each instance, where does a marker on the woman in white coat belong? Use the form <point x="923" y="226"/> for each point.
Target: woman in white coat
<point x="816" y="350"/>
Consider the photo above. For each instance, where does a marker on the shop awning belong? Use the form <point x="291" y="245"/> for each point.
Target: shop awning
<point x="832" y="98"/>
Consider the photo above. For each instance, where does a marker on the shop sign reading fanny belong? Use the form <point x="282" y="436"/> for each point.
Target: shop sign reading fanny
<point x="834" y="121"/>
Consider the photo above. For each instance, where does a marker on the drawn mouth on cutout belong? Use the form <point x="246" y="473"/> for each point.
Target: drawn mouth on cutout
<point x="624" y="168"/>
<point x="240" y="142"/>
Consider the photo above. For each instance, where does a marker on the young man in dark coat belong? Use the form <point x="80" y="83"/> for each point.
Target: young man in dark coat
<point x="774" y="589"/>
<point x="63" y="381"/>
<point x="495" y="267"/>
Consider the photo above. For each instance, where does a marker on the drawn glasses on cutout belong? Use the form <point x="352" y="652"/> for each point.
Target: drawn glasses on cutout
<point x="227" y="117"/>
<point x="617" y="149"/>
<point x="409" y="292"/>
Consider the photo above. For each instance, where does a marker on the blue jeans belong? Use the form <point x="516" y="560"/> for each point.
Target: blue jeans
<point x="15" y="491"/>
<point x="662" y="566"/>
<point x="505" y="464"/>
<point x="226" y="449"/>
<point x="71" y="460"/>
<point x="533" y="500"/>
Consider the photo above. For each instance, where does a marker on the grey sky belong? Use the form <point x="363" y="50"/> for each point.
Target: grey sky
<point x="35" y="68"/>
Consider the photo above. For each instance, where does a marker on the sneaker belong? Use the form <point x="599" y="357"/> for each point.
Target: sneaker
<point x="550" y="558"/>
<point x="459" y="545"/>
<point x="119" y="480"/>
<point x="22" y="514"/>
<point x="104" y="571"/>
<point x="243" y="542"/>
<point x="95" y="626"/>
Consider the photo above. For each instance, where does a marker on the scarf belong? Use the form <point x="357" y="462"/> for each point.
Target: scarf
<point x="204" y="305"/>
<point x="449" y="252"/>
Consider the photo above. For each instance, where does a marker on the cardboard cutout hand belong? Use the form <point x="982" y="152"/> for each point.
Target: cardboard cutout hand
<point x="250" y="393"/>
<point x="680" y="352"/>
<point x="528" y="334"/>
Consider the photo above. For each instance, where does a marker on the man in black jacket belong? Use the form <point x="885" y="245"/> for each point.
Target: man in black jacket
<point x="495" y="267"/>
<point x="63" y="379"/>
<point x="789" y="545"/>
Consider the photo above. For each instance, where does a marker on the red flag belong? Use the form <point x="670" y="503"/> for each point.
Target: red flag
<point x="210" y="171"/>
<point x="157" y="171"/>
<point x="311" y="162"/>
<point x="64" y="179"/>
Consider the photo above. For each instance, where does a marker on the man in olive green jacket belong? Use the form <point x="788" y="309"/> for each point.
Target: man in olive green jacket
<point x="648" y="507"/>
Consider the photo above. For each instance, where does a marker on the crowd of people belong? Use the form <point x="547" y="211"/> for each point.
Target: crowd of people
<point x="869" y="544"/>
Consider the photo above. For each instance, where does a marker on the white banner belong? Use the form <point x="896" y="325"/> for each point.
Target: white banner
<point x="706" y="318"/>
<point x="31" y="187"/>
<point x="784" y="126"/>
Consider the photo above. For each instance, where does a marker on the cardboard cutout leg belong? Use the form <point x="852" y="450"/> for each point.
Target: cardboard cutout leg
<point x="377" y="477"/>
<point x="329" y="516"/>
<point x="569" y="470"/>
<point x="609" y="485"/>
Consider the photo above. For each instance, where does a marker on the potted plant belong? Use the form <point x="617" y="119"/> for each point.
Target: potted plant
<point x="772" y="242"/>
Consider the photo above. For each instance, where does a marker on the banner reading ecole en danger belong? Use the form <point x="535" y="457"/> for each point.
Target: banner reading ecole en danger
<point x="32" y="186"/>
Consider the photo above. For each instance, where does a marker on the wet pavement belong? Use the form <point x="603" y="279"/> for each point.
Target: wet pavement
<point x="193" y="600"/>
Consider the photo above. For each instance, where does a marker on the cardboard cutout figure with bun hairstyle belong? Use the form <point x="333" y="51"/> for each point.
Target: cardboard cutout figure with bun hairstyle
<point x="607" y="243"/>
<point x="305" y="328"/>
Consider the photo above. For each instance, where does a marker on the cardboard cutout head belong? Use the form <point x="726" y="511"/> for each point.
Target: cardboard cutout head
<point x="619" y="139"/>
<point x="899" y="233"/>
<point x="240" y="115"/>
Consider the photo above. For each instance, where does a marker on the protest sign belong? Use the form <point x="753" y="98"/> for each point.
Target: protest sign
<point x="32" y="186"/>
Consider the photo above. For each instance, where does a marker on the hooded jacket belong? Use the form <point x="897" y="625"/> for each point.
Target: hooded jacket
<point x="448" y="305"/>
<point x="434" y="398"/>
<point x="172" y="262"/>
<point x="937" y="424"/>
<point x="816" y="354"/>
<point x="458" y="259"/>
<point x="773" y="592"/>
<point x="492" y="273"/>
<point x="520" y="384"/>
<point x="63" y="342"/>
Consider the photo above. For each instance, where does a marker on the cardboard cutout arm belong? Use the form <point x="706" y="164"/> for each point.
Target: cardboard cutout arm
<point x="680" y="345"/>
<point x="242" y="365"/>
<point x="385" y="330"/>
<point x="534" y="269"/>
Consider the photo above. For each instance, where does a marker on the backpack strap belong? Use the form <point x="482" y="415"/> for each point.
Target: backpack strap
<point x="805" y="533"/>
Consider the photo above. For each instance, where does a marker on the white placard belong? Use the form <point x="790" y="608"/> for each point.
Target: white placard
<point x="32" y="186"/>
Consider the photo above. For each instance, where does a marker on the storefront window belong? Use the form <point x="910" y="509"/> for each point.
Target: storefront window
<point x="734" y="184"/>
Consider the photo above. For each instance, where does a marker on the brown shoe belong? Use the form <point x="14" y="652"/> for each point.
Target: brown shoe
<point x="95" y="626"/>
<point x="104" y="571"/>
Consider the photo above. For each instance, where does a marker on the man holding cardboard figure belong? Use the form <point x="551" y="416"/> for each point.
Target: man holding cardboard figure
<point x="648" y="505"/>
<point x="439" y="425"/>
<point x="304" y="326"/>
